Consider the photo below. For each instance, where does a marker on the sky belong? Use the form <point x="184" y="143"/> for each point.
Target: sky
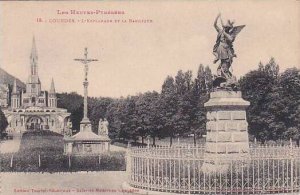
<point x="137" y="57"/>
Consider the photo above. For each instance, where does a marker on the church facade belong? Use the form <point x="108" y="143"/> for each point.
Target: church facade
<point x="35" y="109"/>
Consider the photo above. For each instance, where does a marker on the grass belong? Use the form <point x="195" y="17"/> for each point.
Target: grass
<point x="159" y="141"/>
<point x="42" y="142"/>
<point x="42" y="151"/>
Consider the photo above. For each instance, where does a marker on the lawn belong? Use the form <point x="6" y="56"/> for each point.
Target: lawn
<point x="42" y="151"/>
<point x="42" y="142"/>
<point x="160" y="142"/>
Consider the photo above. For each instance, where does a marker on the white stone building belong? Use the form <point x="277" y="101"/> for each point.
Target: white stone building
<point x="35" y="109"/>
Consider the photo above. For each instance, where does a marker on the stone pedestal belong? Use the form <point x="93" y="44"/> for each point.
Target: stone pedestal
<point x="227" y="130"/>
<point x="86" y="142"/>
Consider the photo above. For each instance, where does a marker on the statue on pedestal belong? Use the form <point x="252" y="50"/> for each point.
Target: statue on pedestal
<point x="68" y="128"/>
<point x="103" y="127"/>
<point x="224" y="52"/>
<point x="227" y="127"/>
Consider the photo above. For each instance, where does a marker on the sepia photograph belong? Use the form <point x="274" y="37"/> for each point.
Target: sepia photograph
<point x="150" y="97"/>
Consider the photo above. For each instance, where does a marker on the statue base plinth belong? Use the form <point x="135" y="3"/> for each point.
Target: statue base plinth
<point x="227" y="130"/>
<point x="86" y="142"/>
<point x="85" y="125"/>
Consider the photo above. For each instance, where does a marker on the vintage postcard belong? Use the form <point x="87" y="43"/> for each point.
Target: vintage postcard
<point x="150" y="97"/>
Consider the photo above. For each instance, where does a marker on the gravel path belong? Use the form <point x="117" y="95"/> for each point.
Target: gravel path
<point x="63" y="183"/>
<point x="10" y="146"/>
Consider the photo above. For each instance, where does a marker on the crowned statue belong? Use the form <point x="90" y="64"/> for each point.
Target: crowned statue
<point x="103" y="127"/>
<point x="224" y="52"/>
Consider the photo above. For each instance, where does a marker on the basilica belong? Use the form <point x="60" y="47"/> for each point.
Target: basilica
<point x="32" y="108"/>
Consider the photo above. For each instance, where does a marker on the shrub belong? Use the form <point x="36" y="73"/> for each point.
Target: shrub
<point x="29" y="162"/>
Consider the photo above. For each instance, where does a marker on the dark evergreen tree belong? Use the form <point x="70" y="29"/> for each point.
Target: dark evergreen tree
<point x="3" y="122"/>
<point x="168" y="106"/>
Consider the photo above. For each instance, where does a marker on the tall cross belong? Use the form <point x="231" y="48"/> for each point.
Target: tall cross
<point x="85" y="61"/>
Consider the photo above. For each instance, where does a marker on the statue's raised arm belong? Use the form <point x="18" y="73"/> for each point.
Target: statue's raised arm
<point x="216" y="23"/>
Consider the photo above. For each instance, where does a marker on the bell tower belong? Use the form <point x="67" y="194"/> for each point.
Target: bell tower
<point x="33" y="85"/>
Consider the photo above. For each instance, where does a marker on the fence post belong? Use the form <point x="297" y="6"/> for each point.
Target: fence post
<point x="148" y="142"/>
<point x="128" y="161"/>
<point x="69" y="161"/>
<point x="11" y="161"/>
<point x="148" y="170"/>
<point x="39" y="160"/>
<point x="292" y="165"/>
<point x="99" y="159"/>
<point x="189" y="168"/>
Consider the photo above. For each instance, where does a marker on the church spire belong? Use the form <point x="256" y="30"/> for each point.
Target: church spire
<point x="15" y="90"/>
<point x="15" y="101"/>
<point x="33" y="58"/>
<point x="52" y="88"/>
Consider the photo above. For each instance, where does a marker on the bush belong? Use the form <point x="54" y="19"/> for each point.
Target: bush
<point x="29" y="162"/>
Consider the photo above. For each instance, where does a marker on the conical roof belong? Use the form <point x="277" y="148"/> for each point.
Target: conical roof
<point x="33" y="50"/>
<point x="52" y="88"/>
<point x="87" y="136"/>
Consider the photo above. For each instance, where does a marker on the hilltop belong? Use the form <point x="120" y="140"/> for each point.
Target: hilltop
<point x="6" y="78"/>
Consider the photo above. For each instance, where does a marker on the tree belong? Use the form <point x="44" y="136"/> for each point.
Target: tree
<point x="97" y="108"/>
<point x="3" y="122"/>
<point x="130" y="118"/>
<point x="144" y="106"/>
<point x="289" y="82"/>
<point x="260" y="87"/>
<point x="183" y="84"/>
<point x="73" y="102"/>
<point x="200" y="95"/>
<point x="168" y="105"/>
<point x="116" y="119"/>
<point x="152" y="119"/>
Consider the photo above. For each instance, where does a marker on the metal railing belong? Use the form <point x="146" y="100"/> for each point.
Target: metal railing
<point x="179" y="169"/>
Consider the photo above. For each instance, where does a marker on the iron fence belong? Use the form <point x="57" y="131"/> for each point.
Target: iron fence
<point x="179" y="169"/>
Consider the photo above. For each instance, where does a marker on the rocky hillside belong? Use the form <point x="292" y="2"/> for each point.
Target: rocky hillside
<point x="6" y="78"/>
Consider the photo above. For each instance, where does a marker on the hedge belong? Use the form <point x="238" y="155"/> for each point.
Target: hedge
<point x="29" y="162"/>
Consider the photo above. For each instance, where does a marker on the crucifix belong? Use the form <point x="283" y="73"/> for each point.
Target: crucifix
<point x="85" y="61"/>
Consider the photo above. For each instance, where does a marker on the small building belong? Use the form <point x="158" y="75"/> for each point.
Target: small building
<point x="86" y="143"/>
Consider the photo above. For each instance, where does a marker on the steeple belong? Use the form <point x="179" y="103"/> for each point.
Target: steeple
<point x="33" y="58"/>
<point x="15" y="90"/>
<point x="52" y="99"/>
<point x="15" y="101"/>
<point x="52" y="88"/>
<point x="33" y="84"/>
